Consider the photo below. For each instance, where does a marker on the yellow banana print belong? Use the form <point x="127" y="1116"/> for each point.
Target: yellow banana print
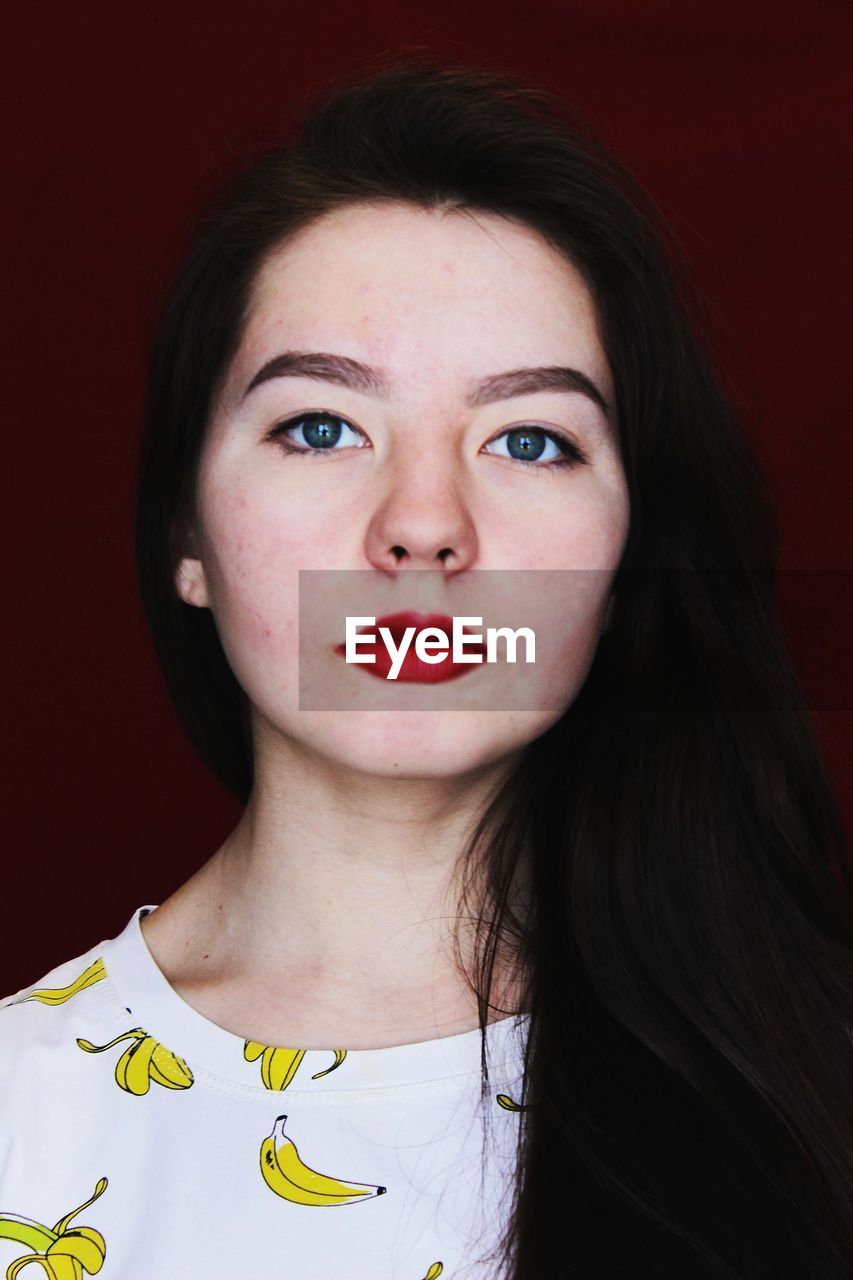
<point x="289" y="1177"/>
<point x="434" y="1271"/>
<point x="507" y="1103"/>
<point x="143" y="1061"/>
<point x="63" y="1253"/>
<point x="58" y="995"/>
<point x="279" y="1066"/>
<point x="340" y="1054"/>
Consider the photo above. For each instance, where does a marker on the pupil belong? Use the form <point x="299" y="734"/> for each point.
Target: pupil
<point x="320" y="432"/>
<point x="526" y="442"/>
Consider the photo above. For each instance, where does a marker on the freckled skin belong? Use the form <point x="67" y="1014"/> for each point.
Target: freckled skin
<point x="437" y="301"/>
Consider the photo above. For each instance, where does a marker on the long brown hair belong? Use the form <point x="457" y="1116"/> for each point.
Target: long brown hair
<point x="667" y="866"/>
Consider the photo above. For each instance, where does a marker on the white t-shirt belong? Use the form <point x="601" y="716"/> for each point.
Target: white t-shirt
<point x="140" y="1140"/>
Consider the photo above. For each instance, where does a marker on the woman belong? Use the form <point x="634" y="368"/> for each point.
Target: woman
<point x="571" y="983"/>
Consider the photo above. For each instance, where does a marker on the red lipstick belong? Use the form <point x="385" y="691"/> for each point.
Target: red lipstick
<point x="413" y="670"/>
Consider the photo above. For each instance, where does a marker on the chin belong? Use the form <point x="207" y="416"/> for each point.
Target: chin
<point x="421" y="745"/>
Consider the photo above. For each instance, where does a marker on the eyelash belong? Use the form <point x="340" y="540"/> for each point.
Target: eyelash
<point x="572" y="456"/>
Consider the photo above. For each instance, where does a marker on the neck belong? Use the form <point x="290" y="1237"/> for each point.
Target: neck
<point x="330" y="910"/>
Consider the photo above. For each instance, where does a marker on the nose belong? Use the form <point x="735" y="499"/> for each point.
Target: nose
<point x="423" y="520"/>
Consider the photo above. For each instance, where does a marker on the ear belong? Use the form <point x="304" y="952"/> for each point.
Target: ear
<point x="191" y="583"/>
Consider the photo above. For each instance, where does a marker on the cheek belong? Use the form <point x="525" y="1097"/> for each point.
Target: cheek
<point x="253" y="552"/>
<point x="581" y="523"/>
<point x="577" y="536"/>
<point x="596" y="530"/>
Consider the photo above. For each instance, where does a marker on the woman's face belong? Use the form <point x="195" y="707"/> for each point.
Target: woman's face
<point x="430" y="462"/>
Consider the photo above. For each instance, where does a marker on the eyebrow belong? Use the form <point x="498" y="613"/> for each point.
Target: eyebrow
<point x="347" y="372"/>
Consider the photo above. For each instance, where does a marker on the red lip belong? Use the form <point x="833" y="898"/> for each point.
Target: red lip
<point x="412" y="669"/>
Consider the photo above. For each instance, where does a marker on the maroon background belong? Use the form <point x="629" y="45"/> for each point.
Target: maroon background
<point x="734" y="116"/>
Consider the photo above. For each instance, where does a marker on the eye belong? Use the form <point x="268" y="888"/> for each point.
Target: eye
<point x="322" y="432"/>
<point x="531" y="444"/>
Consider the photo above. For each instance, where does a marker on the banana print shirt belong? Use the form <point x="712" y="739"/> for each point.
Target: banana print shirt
<point x="139" y="1140"/>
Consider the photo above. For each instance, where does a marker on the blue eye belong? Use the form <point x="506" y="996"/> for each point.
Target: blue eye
<point x="528" y="444"/>
<point x="321" y="433"/>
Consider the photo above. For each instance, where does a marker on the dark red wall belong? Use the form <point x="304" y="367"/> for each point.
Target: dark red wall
<point x="734" y="115"/>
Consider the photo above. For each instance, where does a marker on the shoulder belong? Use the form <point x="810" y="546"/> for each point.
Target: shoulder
<point x="43" y="1018"/>
<point x="59" y="984"/>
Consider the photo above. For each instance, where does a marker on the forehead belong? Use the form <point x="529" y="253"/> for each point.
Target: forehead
<point x="430" y="295"/>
